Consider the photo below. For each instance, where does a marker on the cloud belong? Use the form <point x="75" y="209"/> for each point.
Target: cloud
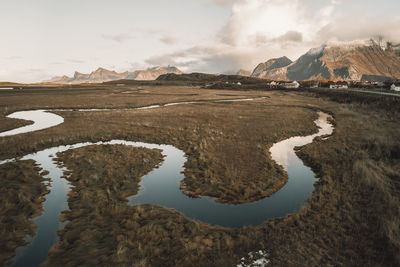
<point x="223" y="2"/>
<point x="267" y="18"/>
<point x="28" y="75"/>
<point x="76" y="61"/>
<point x="12" y="58"/>
<point x="136" y="66"/>
<point x="168" y="39"/>
<point x="291" y="36"/>
<point x="134" y="33"/>
<point x="255" y="31"/>
<point x="119" y="38"/>
<point x="346" y="29"/>
<point x="263" y="21"/>
<point x="218" y="58"/>
<point x="258" y="30"/>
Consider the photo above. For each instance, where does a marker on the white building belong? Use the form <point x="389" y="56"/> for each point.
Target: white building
<point x="294" y="84"/>
<point x="273" y="83"/>
<point x="338" y="86"/>
<point x="395" y="87"/>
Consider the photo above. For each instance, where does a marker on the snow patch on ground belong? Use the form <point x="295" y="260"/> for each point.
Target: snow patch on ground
<point x="257" y="258"/>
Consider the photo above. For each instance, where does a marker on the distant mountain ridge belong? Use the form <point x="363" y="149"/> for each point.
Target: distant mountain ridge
<point x="242" y="72"/>
<point x="267" y="68"/>
<point x="103" y="75"/>
<point x="352" y="61"/>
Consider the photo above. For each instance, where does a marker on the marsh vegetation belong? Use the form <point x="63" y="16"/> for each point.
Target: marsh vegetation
<point x="103" y="229"/>
<point x="352" y="217"/>
<point x="22" y="191"/>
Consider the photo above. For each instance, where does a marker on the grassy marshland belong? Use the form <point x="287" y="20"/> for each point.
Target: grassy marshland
<point x="21" y="197"/>
<point x="352" y="217"/>
<point x="107" y="96"/>
<point x="226" y="143"/>
<point x="9" y="124"/>
<point x="103" y="230"/>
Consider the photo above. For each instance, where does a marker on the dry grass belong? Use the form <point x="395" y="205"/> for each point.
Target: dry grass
<point x="107" y="96"/>
<point x="352" y="217"/>
<point x="21" y="197"/>
<point x="103" y="230"/>
<point x="226" y="143"/>
<point x="9" y="124"/>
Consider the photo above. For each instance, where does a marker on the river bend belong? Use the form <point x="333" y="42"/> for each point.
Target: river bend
<point x="161" y="185"/>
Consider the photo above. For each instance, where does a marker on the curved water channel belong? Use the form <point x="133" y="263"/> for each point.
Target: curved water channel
<point x="161" y="186"/>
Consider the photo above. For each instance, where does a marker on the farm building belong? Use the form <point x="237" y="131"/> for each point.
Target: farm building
<point x="294" y="84"/>
<point x="395" y="87"/>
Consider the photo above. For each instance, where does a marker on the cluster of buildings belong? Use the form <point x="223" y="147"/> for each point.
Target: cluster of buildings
<point x="292" y="85"/>
<point x="395" y="86"/>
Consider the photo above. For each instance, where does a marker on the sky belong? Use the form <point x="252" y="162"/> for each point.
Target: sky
<point x="46" y="38"/>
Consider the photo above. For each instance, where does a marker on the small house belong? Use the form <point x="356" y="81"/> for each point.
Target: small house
<point x="395" y="87"/>
<point x="339" y="85"/>
<point x="272" y="84"/>
<point x="294" y="85"/>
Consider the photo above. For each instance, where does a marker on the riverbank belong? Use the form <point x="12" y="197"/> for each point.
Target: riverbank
<point x="22" y="192"/>
<point x="352" y="217"/>
<point x="9" y="124"/>
<point x="103" y="230"/>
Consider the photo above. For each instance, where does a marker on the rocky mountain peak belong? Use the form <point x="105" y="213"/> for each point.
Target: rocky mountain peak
<point x="274" y="63"/>
<point x="337" y="61"/>
<point x="103" y="75"/>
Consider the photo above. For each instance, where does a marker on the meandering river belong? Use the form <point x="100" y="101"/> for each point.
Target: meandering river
<point x="161" y="186"/>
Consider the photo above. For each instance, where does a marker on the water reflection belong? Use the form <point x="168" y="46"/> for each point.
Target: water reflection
<point x="41" y="120"/>
<point x="283" y="151"/>
<point x="161" y="187"/>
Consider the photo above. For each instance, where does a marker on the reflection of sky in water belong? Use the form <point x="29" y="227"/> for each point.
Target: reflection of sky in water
<point x="161" y="187"/>
<point x="41" y="120"/>
<point x="281" y="152"/>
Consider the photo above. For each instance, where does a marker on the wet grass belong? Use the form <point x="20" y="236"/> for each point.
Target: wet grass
<point x="21" y="197"/>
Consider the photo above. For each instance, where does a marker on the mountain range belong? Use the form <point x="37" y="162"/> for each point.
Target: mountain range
<point x="357" y="61"/>
<point x="354" y="61"/>
<point x="103" y="75"/>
